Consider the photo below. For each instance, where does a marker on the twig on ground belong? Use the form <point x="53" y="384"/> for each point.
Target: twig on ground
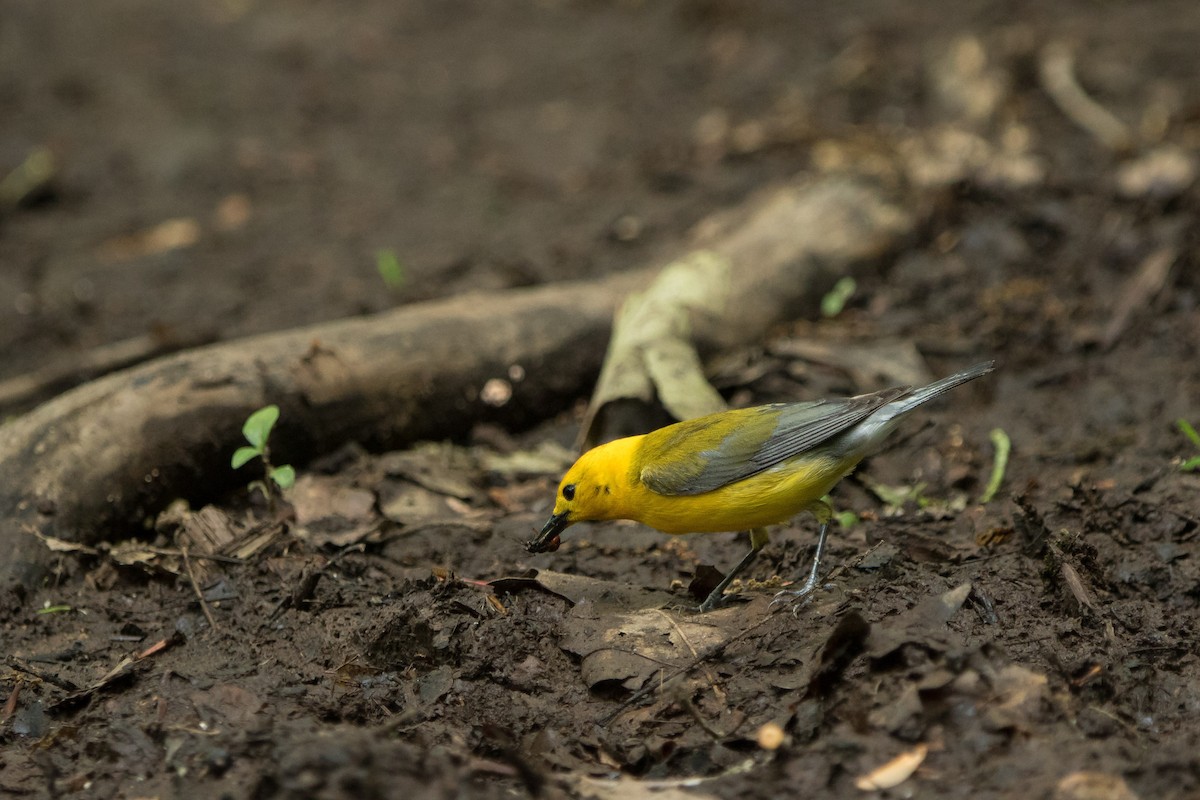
<point x="124" y="667"/>
<point x="10" y="705"/>
<point x="21" y="666"/>
<point x="1057" y="69"/>
<point x="1138" y="291"/>
<point x="712" y="679"/>
<point x="713" y="652"/>
<point x="306" y="587"/>
<point x="187" y="565"/>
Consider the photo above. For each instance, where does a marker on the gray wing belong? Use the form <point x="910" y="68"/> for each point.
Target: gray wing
<point x="764" y="437"/>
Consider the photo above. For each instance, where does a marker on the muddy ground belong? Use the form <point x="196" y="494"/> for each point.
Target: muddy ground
<point x="221" y="168"/>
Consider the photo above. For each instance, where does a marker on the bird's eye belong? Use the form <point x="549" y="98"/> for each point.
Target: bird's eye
<point x="569" y="491"/>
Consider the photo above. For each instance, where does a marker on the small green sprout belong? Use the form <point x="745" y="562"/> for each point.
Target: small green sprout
<point x="834" y="302"/>
<point x="390" y="269"/>
<point x="257" y="431"/>
<point x="1185" y="427"/>
<point x="1003" y="447"/>
<point x="894" y="497"/>
<point x="53" y="609"/>
<point x="845" y="519"/>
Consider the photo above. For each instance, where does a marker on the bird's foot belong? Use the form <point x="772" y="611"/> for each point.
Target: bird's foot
<point x="715" y="600"/>
<point x="798" y="598"/>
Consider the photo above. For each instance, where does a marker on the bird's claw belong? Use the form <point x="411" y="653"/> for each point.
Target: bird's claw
<point x="797" y="597"/>
<point x="713" y="602"/>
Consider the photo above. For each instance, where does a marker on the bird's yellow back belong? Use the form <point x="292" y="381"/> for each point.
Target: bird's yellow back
<point x="769" y="497"/>
<point x="611" y="483"/>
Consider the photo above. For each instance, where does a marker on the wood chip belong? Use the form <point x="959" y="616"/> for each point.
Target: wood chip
<point x="894" y="772"/>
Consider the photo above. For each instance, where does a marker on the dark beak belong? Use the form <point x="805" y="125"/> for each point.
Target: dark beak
<point x="547" y="541"/>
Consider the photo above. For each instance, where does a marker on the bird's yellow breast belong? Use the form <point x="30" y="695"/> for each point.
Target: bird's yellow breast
<point x="770" y="497"/>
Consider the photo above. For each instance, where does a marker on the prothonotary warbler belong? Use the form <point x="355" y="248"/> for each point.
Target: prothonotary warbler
<point x="735" y="470"/>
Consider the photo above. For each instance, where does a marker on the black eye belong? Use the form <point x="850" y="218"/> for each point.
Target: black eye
<point x="569" y="491"/>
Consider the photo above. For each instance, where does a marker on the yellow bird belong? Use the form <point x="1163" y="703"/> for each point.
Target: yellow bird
<point x="735" y="470"/>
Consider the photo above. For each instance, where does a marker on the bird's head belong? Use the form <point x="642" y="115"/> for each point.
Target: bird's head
<point x="592" y="489"/>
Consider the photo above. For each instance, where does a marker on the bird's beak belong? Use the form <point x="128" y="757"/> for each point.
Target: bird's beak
<point x="547" y="541"/>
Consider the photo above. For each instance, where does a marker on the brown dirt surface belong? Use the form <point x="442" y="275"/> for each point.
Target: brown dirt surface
<point x="221" y="168"/>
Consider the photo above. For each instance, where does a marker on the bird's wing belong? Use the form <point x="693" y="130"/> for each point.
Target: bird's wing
<point x="700" y="456"/>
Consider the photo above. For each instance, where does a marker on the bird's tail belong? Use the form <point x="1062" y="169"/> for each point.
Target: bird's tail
<point x="868" y="433"/>
<point x="905" y="403"/>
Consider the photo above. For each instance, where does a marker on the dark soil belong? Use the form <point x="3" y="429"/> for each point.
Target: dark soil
<point x="390" y="640"/>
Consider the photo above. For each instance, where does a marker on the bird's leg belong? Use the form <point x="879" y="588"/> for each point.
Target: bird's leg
<point x="716" y="598"/>
<point x="824" y="514"/>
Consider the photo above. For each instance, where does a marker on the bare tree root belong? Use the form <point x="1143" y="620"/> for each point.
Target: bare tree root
<point x="99" y="460"/>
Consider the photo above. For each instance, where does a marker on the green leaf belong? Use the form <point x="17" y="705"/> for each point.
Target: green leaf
<point x="390" y="269"/>
<point x="244" y="454"/>
<point x="834" y="303"/>
<point x="1003" y="447"/>
<point x="846" y="519"/>
<point x="284" y="476"/>
<point x="897" y="496"/>
<point x="1187" y="430"/>
<point x="1191" y="465"/>
<point x="54" y="609"/>
<point x="259" y="424"/>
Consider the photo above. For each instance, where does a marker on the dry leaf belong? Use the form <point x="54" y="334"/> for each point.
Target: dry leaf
<point x="438" y="467"/>
<point x="894" y="772"/>
<point x="1093" y="786"/>
<point x="173" y="234"/>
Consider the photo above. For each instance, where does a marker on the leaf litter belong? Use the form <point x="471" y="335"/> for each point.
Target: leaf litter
<point x="430" y="631"/>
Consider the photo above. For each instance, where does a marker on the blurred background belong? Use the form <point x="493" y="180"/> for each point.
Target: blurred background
<point x="204" y="169"/>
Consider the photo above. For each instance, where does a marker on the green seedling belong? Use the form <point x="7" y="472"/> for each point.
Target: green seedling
<point x="895" y="497"/>
<point x="257" y="431"/>
<point x="54" y="609"/>
<point x="845" y="519"/>
<point x="390" y="269"/>
<point x="1185" y="427"/>
<point x="834" y="302"/>
<point x="1003" y="447"/>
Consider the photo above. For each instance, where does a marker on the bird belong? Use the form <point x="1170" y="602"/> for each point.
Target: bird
<point x="736" y="470"/>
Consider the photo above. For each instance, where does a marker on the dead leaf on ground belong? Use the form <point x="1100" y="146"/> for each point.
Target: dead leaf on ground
<point x="869" y="365"/>
<point x="172" y="234"/>
<point x="1138" y="292"/>
<point x="894" y="772"/>
<point x="624" y="788"/>
<point x="411" y="506"/>
<point x="629" y="648"/>
<point x="231" y="703"/>
<point x="520" y="497"/>
<point x="923" y="624"/>
<point x="132" y="553"/>
<point x="124" y="667"/>
<point x="330" y="512"/>
<point x="580" y="588"/>
<point x="1162" y="173"/>
<point x="1021" y="697"/>
<point x="436" y="466"/>
<point x="56" y="545"/>
<point x="547" y="458"/>
<point x="1093" y="786"/>
<point x="947" y="155"/>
